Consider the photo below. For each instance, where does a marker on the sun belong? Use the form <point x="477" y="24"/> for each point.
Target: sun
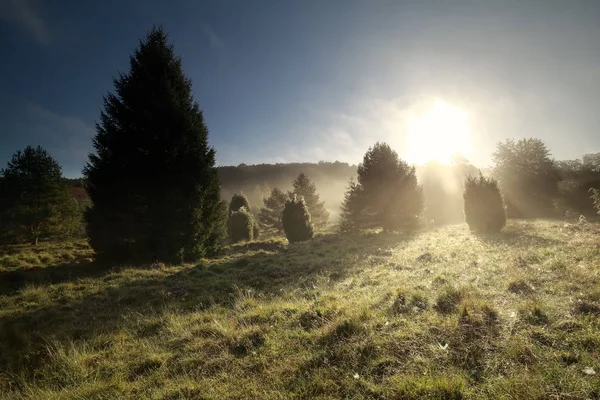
<point x="437" y="134"/>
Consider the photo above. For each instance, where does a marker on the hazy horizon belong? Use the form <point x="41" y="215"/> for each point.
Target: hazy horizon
<point x="311" y="81"/>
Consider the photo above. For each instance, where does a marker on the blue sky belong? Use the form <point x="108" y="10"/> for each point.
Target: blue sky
<point x="317" y="80"/>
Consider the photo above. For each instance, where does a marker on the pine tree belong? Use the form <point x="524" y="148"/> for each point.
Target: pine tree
<point x="296" y="220"/>
<point x="152" y="180"/>
<point x="270" y="214"/>
<point x="303" y="187"/>
<point x="387" y="193"/>
<point x="484" y="206"/>
<point x="351" y="209"/>
<point x="34" y="198"/>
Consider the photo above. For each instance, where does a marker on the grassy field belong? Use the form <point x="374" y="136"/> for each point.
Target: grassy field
<point x="441" y="314"/>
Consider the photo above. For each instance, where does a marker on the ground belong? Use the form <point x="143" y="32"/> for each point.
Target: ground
<point x="439" y="314"/>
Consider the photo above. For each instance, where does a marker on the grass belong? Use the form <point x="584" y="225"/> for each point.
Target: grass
<point x="442" y="314"/>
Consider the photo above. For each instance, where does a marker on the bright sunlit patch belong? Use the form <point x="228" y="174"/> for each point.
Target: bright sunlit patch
<point x="437" y="134"/>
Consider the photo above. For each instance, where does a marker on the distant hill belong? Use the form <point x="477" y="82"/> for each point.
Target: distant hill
<point x="442" y="184"/>
<point x="256" y="181"/>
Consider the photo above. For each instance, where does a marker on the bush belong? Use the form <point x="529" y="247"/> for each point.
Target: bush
<point x="484" y="206"/>
<point x="238" y="201"/>
<point x="296" y="220"/>
<point x="240" y="226"/>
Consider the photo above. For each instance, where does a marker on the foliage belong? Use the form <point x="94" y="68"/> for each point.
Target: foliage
<point x="238" y="201"/>
<point x="484" y="206"/>
<point x="306" y="189"/>
<point x="350" y="217"/>
<point x="241" y="225"/>
<point x="296" y="220"/>
<point x="34" y="199"/>
<point x="577" y="177"/>
<point x="387" y="193"/>
<point x="152" y="178"/>
<point x="270" y="214"/>
<point x="596" y="198"/>
<point x="527" y="176"/>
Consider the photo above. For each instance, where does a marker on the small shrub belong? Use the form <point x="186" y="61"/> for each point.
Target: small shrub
<point x="484" y="206"/>
<point x="238" y="201"/>
<point x="296" y="220"/>
<point x="240" y="226"/>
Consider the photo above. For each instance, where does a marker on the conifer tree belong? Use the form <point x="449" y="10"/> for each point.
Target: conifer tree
<point x="152" y="179"/>
<point x="34" y="198"/>
<point x="484" y="206"/>
<point x="239" y="204"/>
<point x="351" y="209"/>
<point x="296" y="220"/>
<point x="270" y="214"/>
<point x="386" y="194"/>
<point x="303" y="187"/>
<point x="241" y="225"/>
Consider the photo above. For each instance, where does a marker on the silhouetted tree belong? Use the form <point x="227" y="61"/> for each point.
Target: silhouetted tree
<point x="350" y="217"/>
<point x="238" y="201"/>
<point x="153" y="180"/>
<point x="270" y="214"/>
<point x="527" y="176"/>
<point x="296" y="220"/>
<point x="577" y="177"/>
<point x="34" y="198"/>
<point x="387" y="187"/>
<point x="303" y="187"/>
<point x="240" y="225"/>
<point x="484" y="206"/>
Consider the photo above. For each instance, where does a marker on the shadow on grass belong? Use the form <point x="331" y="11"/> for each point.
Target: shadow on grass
<point x="102" y="308"/>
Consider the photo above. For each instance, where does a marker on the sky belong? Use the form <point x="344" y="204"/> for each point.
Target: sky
<point x="289" y="81"/>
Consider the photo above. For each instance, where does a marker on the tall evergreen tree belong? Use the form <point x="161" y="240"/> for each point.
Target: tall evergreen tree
<point x="387" y="193"/>
<point x="303" y="187"/>
<point x="152" y="180"/>
<point x="270" y="214"/>
<point x="34" y="199"/>
<point x="350" y="217"/>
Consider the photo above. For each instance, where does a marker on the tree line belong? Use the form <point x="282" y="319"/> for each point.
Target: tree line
<point x="155" y="190"/>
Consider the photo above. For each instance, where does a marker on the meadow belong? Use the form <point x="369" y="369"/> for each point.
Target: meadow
<point x="437" y="314"/>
